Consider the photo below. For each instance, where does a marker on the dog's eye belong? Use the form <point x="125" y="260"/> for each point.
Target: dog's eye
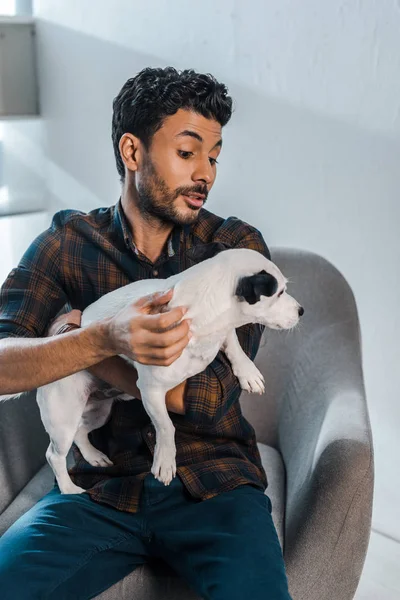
<point x="280" y="293"/>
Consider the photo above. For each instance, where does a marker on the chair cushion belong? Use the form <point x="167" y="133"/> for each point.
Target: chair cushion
<point x="38" y="486"/>
<point x="158" y="580"/>
<point x="275" y="470"/>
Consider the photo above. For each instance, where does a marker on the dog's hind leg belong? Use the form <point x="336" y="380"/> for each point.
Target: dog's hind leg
<point x="95" y="415"/>
<point x="164" y="465"/>
<point x="61" y="406"/>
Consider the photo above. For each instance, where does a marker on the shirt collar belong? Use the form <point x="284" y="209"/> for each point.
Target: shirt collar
<point x="122" y="226"/>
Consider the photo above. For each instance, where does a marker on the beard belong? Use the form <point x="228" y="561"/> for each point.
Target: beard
<point x="156" y="200"/>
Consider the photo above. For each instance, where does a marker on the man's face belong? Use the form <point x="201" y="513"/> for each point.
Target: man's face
<point x="181" y="163"/>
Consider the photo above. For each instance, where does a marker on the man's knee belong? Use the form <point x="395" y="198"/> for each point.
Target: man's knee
<point x="256" y="585"/>
<point x="15" y="581"/>
<point x="22" y="572"/>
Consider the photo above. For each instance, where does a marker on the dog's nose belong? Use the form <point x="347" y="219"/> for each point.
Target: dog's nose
<point x="301" y="311"/>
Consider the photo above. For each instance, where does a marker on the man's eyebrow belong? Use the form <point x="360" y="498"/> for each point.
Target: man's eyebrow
<point x="195" y="135"/>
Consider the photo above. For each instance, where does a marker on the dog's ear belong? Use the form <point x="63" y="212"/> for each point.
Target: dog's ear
<point x="205" y="251"/>
<point x="252" y="287"/>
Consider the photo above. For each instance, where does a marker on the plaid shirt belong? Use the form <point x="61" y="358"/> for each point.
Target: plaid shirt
<point x="81" y="257"/>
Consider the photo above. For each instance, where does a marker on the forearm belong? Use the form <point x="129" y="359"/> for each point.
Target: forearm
<point x="120" y="374"/>
<point x="176" y="399"/>
<point x="27" y="364"/>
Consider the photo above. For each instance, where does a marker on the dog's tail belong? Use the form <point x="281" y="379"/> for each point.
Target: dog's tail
<point x="11" y="396"/>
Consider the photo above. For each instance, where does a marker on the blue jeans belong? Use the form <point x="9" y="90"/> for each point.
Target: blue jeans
<point x="70" y="547"/>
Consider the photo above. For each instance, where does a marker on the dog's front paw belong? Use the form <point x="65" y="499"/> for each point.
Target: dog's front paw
<point x="164" y="465"/>
<point x="251" y="380"/>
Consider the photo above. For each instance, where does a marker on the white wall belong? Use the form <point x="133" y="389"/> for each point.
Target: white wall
<point x="311" y="157"/>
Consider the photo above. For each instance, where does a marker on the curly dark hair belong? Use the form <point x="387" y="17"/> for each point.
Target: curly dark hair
<point x="154" y="94"/>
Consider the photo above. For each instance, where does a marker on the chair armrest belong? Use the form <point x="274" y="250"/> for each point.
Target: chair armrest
<point x="324" y="435"/>
<point x="23" y="444"/>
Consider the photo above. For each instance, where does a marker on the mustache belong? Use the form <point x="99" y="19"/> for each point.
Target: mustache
<point x="194" y="190"/>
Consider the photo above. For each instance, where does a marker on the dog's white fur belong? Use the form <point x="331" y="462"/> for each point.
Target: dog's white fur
<point x="208" y="291"/>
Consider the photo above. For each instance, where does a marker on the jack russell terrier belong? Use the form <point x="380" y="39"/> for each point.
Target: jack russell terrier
<point x="232" y="288"/>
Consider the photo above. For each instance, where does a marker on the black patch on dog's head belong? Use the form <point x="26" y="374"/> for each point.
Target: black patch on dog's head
<point x="252" y="287"/>
<point x="204" y="251"/>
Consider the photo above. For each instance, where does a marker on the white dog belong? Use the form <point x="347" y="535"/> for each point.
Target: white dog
<point x="231" y="289"/>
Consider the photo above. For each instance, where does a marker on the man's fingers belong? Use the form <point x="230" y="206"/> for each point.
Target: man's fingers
<point x="162" y="297"/>
<point x="156" y="299"/>
<point x="162" y="362"/>
<point x="164" y="321"/>
<point x="165" y="356"/>
<point x="170" y="337"/>
<point x="156" y="310"/>
<point x="75" y="316"/>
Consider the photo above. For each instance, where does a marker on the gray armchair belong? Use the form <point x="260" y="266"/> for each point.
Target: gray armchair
<point x="314" y="436"/>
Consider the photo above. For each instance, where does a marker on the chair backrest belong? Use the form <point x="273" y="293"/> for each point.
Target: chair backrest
<point x="328" y="301"/>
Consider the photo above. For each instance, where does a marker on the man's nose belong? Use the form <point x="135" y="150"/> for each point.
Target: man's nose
<point x="203" y="173"/>
<point x="301" y="311"/>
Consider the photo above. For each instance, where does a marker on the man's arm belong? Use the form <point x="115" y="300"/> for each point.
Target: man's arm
<point x="30" y="297"/>
<point x="115" y="370"/>
<point x="34" y="293"/>
<point x="26" y="364"/>
<point x="123" y="376"/>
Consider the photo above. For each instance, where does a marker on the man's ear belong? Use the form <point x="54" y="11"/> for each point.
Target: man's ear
<point x="252" y="287"/>
<point x="205" y="251"/>
<point x="130" y="151"/>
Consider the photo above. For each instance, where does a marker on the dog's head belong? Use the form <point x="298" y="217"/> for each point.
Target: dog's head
<point x="263" y="298"/>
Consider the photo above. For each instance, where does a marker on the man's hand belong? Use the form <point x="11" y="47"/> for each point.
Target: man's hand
<point x="71" y="318"/>
<point x="148" y="332"/>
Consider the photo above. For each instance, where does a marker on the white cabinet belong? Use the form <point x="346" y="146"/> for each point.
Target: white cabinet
<point x="18" y="76"/>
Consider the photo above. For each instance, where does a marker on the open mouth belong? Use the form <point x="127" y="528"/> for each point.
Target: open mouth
<point x="196" y="200"/>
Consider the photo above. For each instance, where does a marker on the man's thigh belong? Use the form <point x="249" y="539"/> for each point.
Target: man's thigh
<point x="226" y="548"/>
<point x="68" y="547"/>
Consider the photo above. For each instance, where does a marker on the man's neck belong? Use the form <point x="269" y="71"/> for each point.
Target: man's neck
<point x="149" y="236"/>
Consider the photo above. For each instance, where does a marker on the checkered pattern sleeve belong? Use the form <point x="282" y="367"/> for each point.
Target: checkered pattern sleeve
<point x="33" y="292"/>
<point x="211" y="393"/>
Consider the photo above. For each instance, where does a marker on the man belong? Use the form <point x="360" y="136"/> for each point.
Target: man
<point x="213" y="523"/>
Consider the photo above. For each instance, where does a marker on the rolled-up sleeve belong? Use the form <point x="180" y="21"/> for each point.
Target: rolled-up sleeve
<point x="210" y="394"/>
<point x="33" y="293"/>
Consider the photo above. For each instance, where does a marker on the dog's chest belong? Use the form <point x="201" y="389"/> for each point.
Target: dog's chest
<point x="205" y="347"/>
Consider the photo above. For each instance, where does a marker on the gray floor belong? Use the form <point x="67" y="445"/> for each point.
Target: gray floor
<point x="381" y="575"/>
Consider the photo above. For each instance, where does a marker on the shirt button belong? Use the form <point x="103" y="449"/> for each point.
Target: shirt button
<point x="155" y="272"/>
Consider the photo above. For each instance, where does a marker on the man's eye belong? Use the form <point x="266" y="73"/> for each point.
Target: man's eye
<point x="184" y="154"/>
